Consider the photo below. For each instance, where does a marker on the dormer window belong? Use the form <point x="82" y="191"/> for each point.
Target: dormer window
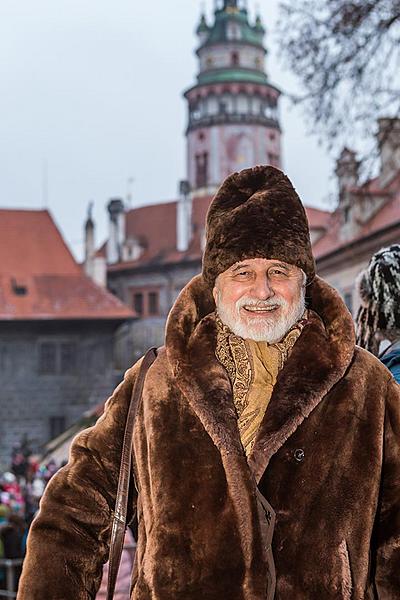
<point x="18" y="287"/>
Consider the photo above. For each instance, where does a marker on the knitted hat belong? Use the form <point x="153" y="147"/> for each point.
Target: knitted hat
<point x="256" y="213"/>
<point x="379" y="290"/>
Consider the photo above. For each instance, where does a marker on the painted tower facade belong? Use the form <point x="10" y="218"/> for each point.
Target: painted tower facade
<point x="233" y="118"/>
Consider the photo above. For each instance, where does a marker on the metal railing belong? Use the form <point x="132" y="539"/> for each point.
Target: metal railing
<point x="9" y="566"/>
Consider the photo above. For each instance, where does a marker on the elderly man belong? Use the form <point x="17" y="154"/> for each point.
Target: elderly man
<point x="259" y="398"/>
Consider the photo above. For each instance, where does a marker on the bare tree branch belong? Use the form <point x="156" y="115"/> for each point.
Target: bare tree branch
<point x="346" y="54"/>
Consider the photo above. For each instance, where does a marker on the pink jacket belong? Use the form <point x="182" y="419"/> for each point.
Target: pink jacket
<point x="124" y="573"/>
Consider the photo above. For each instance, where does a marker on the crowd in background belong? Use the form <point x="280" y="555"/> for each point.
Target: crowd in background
<point x="21" y="488"/>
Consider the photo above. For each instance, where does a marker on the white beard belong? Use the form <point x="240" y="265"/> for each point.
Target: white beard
<point x="268" y="329"/>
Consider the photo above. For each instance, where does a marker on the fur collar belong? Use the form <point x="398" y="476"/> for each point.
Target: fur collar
<point x="318" y="361"/>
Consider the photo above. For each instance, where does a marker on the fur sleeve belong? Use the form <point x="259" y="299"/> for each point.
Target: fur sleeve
<point x="388" y="527"/>
<point x="69" y="539"/>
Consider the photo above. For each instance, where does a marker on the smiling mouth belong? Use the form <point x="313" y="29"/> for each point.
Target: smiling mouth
<point x="258" y="310"/>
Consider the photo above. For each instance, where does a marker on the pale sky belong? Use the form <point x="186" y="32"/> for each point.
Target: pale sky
<point x="91" y="97"/>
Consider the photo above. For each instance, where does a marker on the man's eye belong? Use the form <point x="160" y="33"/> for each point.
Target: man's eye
<point x="244" y="273"/>
<point x="277" y="272"/>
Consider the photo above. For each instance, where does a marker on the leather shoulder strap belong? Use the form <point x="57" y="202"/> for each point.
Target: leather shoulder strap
<point x="121" y="502"/>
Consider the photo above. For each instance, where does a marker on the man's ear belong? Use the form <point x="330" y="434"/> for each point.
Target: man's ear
<point x="215" y="293"/>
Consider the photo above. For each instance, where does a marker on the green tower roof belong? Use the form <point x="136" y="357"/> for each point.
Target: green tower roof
<point x="230" y="12"/>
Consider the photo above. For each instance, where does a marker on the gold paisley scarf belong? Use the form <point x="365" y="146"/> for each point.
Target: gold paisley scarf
<point x="253" y="368"/>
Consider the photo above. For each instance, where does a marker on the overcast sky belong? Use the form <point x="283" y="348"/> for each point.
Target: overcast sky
<point x="91" y="97"/>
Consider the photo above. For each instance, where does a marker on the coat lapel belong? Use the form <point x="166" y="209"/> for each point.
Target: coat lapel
<point x="190" y="344"/>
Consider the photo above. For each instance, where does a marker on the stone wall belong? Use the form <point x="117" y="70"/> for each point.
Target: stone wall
<point x="36" y="403"/>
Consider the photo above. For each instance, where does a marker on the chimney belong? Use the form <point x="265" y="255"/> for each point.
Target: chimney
<point x="94" y="266"/>
<point x="184" y="217"/>
<point x="389" y="148"/>
<point x="116" y="238"/>
<point x="347" y="167"/>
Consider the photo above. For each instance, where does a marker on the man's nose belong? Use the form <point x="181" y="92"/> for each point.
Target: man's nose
<point x="261" y="288"/>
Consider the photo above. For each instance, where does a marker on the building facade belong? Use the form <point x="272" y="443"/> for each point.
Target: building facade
<point x="367" y="216"/>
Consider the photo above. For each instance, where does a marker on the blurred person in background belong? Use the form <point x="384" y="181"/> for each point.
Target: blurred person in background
<point x="378" y="318"/>
<point x="13" y="533"/>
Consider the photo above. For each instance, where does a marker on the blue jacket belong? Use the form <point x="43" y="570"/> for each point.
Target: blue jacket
<point x="391" y="360"/>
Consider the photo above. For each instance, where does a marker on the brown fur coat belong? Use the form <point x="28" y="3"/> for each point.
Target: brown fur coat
<point x="327" y="457"/>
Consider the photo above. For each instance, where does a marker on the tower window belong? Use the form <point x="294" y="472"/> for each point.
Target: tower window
<point x="233" y="31"/>
<point x="196" y="112"/>
<point x="235" y="58"/>
<point x="201" y="169"/>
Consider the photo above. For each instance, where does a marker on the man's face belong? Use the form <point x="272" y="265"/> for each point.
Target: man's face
<point x="260" y="299"/>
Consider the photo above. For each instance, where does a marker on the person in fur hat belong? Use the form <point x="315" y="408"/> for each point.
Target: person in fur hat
<point x="378" y="318"/>
<point x="259" y="407"/>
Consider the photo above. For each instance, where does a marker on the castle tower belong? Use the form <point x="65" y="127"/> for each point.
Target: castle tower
<point x="233" y="109"/>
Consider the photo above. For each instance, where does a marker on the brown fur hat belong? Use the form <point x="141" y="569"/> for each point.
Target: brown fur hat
<point x="256" y="213"/>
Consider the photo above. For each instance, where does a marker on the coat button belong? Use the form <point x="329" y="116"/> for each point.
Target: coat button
<point x="299" y="454"/>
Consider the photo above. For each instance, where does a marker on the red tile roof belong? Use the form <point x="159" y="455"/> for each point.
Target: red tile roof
<point x="317" y="218"/>
<point x="39" y="278"/>
<point x="155" y="226"/>
<point x="30" y="244"/>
